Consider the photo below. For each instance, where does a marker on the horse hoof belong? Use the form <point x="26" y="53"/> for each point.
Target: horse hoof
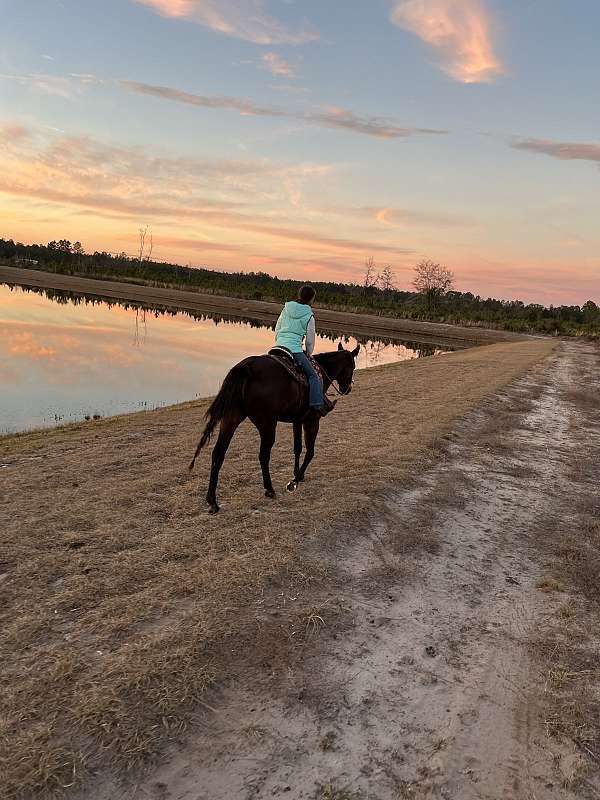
<point x="214" y="509"/>
<point x="292" y="486"/>
<point x="270" y="493"/>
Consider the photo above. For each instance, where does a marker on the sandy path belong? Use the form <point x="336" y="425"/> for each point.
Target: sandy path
<point x="334" y="321"/>
<point x="418" y="680"/>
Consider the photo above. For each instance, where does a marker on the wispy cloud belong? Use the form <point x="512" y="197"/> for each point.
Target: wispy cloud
<point x="241" y="105"/>
<point x="341" y="118"/>
<point x="289" y="87"/>
<point x="406" y="217"/>
<point x="565" y="151"/>
<point x="332" y="117"/>
<point x="461" y="32"/>
<point x="85" y="172"/>
<point x="12" y="132"/>
<point x="227" y="204"/>
<point x="278" y="66"/>
<point x="48" y="84"/>
<point x="243" y="19"/>
<point x="380" y="127"/>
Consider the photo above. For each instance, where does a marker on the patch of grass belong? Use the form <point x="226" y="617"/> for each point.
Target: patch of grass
<point x="254" y="732"/>
<point x="549" y="584"/>
<point x="332" y="791"/>
<point x="328" y="741"/>
<point x="567" y="611"/>
<point x="573" y="696"/>
<point x="407" y="790"/>
<point x="312" y="620"/>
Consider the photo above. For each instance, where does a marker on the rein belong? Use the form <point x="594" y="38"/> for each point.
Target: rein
<point x="331" y="383"/>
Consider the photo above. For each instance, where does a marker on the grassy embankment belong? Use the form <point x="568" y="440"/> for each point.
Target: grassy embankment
<point x="456" y="308"/>
<point x="125" y="602"/>
<point x="364" y="325"/>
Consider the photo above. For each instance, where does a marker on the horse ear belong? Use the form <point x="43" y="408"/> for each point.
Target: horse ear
<point x="355" y="351"/>
<point x="340" y="346"/>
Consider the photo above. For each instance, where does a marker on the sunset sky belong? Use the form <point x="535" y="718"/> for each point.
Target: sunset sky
<point x="299" y="137"/>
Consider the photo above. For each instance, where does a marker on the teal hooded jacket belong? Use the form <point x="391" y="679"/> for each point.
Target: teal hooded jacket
<point x="292" y="325"/>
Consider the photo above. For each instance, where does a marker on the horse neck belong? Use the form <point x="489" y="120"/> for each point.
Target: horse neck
<point x="331" y="365"/>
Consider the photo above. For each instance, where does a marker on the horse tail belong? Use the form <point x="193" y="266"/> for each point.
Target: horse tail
<point x="230" y="397"/>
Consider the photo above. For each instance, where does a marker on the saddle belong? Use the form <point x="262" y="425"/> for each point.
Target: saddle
<point x="284" y="357"/>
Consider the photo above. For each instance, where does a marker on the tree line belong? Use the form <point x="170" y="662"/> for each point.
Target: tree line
<point x="433" y="297"/>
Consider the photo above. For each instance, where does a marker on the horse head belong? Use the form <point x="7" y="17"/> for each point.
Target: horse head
<point x="345" y="364"/>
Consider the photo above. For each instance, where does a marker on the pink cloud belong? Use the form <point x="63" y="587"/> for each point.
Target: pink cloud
<point x="13" y="132"/>
<point x="130" y="181"/>
<point x="459" y="30"/>
<point x="565" y="151"/>
<point x="48" y="84"/>
<point x="83" y="174"/>
<point x="333" y="117"/>
<point x="242" y="19"/>
<point x="404" y="217"/>
<point x="278" y="66"/>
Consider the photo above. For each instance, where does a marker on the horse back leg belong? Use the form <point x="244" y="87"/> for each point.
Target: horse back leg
<point x="228" y="427"/>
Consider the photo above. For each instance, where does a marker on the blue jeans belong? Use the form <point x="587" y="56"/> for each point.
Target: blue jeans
<point x="315" y="390"/>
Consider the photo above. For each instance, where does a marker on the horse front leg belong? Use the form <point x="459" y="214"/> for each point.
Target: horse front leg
<point x="227" y="429"/>
<point x="293" y="484"/>
<point x="267" y="439"/>
<point x="311" y="429"/>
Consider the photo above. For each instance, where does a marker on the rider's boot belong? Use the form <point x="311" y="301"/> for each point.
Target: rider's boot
<point x="328" y="405"/>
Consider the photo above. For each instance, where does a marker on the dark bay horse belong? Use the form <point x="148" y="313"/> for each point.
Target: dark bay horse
<point x="263" y="390"/>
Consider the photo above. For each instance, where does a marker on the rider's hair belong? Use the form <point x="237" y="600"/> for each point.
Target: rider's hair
<point x="306" y="294"/>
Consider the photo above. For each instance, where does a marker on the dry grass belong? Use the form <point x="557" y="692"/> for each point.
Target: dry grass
<point x="549" y="584"/>
<point x="332" y="791"/>
<point x="328" y="741"/>
<point x="571" y="680"/>
<point x="125" y="602"/>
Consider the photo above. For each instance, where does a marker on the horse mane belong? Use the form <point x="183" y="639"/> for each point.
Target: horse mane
<point x="326" y="358"/>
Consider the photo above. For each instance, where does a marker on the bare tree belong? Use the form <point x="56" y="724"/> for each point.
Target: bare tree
<point x="433" y="281"/>
<point x="370" y="277"/>
<point x="387" y="280"/>
<point x="146" y="245"/>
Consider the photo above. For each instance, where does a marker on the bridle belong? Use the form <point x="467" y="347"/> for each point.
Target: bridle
<point x="331" y="383"/>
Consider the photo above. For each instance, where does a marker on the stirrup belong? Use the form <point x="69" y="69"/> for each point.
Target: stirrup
<point x="328" y="405"/>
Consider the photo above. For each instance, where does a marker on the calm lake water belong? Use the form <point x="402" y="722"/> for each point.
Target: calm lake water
<point x="65" y="357"/>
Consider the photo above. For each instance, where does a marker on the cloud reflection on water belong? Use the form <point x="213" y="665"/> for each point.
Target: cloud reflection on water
<point x="67" y="357"/>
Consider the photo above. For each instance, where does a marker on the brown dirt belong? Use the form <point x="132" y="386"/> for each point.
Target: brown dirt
<point x="333" y="321"/>
<point x="125" y="603"/>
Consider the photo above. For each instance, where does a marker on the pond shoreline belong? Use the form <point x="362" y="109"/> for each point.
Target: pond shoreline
<point x="87" y="356"/>
<point x="343" y="322"/>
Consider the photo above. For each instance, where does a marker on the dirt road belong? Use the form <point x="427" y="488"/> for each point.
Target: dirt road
<point x="421" y="672"/>
<point x="343" y="322"/>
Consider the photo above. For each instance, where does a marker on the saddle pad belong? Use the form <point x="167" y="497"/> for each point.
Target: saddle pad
<point x="286" y="359"/>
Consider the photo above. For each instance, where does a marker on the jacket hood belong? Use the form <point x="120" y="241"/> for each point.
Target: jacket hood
<point x="298" y="310"/>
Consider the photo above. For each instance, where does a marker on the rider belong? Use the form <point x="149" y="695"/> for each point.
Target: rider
<point x="296" y="323"/>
